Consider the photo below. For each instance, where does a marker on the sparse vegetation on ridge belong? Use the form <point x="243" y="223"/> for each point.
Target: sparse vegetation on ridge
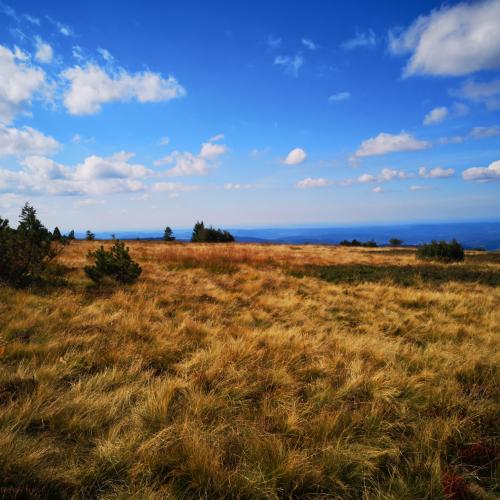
<point x="441" y="251"/>
<point x="202" y="234"/>
<point x="252" y="383"/>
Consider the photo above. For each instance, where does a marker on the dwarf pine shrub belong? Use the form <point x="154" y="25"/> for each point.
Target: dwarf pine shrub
<point x="26" y="251"/>
<point x="441" y="251"/>
<point x="115" y="263"/>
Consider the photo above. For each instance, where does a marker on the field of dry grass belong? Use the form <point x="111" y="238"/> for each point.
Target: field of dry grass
<point x="253" y="371"/>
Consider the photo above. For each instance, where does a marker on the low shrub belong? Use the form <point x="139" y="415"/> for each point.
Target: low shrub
<point x="115" y="263"/>
<point x="441" y="251"/>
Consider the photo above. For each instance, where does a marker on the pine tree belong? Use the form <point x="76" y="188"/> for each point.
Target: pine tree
<point x="198" y="232"/>
<point x="26" y="251"/>
<point x="56" y="235"/>
<point x="168" y="235"/>
<point x="71" y="235"/>
<point x="89" y="235"/>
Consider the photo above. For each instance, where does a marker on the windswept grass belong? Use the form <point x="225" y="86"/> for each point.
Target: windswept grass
<point x="254" y="371"/>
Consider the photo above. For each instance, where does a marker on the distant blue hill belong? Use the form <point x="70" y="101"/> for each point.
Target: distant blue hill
<point x="470" y="234"/>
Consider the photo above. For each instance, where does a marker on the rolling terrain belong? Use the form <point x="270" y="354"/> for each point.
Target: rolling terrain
<point x="253" y="371"/>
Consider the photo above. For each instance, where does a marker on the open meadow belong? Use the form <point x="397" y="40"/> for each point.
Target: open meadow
<point x="253" y="371"/>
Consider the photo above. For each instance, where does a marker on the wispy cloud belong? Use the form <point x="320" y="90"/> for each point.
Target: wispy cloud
<point x="487" y="93"/>
<point x="340" y="96"/>
<point x="475" y="133"/>
<point x="361" y="39"/>
<point x="307" y="42"/>
<point x="273" y="42"/>
<point x="291" y="64"/>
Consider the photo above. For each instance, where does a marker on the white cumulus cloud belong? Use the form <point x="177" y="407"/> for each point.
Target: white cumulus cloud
<point x="295" y="156"/>
<point x="436" y="173"/>
<point x="94" y="176"/>
<point x="453" y="40"/>
<point x="436" y="115"/>
<point x="91" y="86"/>
<point x="389" y="143"/>
<point x="483" y="174"/>
<point x="24" y="142"/>
<point x="19" y="82"/>
<point x="187" y="163"/>
<point x="309" y="182"/>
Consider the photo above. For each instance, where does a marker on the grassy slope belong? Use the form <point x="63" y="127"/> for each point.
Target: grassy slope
<point x="252" y="371"/>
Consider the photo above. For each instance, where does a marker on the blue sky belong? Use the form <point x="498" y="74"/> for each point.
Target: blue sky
<point x="249" y="114"/>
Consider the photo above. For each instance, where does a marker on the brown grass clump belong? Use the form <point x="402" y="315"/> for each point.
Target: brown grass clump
<point x="254" y="371"/>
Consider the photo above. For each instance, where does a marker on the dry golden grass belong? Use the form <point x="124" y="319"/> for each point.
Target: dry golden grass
<point x="253" y="371"/>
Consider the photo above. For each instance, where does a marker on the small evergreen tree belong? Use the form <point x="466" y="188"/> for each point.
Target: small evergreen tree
<point x="71" y="235"/>
<point x="115" y="263"/>
<point x="168" y="234"/>
<point x="56" y="235"/>
<point x="89" y="235"/>
<point x="26" y="251"/>
<point x="198" y="232"/>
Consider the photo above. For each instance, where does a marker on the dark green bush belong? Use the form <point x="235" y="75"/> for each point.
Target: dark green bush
<point x="26" y="251"/>
<point x="115" y="263"/>
<point x="202" y="234"/>
<point x="441" y="251"/>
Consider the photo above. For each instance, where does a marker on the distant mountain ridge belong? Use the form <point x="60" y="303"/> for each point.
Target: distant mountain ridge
<point x="470" y="234"/>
